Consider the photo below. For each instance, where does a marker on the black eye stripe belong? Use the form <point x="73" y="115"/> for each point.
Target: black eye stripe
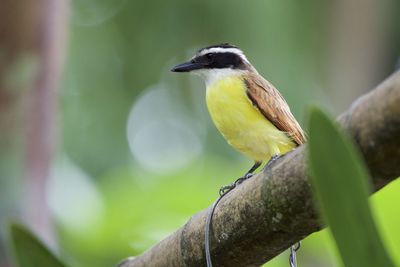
<point x="221" y="60"/>
<point x="227" y="60"/>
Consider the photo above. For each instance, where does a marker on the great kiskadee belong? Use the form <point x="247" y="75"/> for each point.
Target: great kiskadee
<point x="248" y="110"/>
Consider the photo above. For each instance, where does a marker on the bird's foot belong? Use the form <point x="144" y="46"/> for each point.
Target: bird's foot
<point x="225" y="189"/>
<point x="273" y="158"/>
<point x="247" y="175"/>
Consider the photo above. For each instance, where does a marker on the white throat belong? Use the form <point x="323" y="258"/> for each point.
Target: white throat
<point x="211" y="76"/>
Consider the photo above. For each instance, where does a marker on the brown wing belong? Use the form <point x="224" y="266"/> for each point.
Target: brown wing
<point x="273" y="106"/>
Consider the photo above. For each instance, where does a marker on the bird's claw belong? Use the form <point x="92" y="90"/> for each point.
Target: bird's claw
<point x="248" y="175"/>
<point x="225" y="189"/>
<point x="273" y="158"/>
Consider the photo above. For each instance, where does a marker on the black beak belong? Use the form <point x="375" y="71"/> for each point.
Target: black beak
<point x="187" y="66"/>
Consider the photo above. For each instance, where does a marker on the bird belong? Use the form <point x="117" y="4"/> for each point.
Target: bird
<point x="249" y="112"/>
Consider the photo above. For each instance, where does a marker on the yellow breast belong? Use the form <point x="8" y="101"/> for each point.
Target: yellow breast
<point x="241" y="123"/>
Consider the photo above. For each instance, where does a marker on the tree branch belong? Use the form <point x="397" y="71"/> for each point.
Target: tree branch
<point x="268" y="213"/>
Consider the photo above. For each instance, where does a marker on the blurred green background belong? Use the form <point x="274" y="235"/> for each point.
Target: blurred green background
<point x="137" y="154"/>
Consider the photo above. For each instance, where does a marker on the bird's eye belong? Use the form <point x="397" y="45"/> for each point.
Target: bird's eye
<point x="208" y="56"/>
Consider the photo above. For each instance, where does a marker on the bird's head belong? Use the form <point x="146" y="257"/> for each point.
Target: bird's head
<point x="216" y="61"/>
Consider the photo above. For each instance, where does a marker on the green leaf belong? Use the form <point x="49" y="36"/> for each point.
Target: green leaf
<point x="341" y="184"/>
<point x="29" y="251"/>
